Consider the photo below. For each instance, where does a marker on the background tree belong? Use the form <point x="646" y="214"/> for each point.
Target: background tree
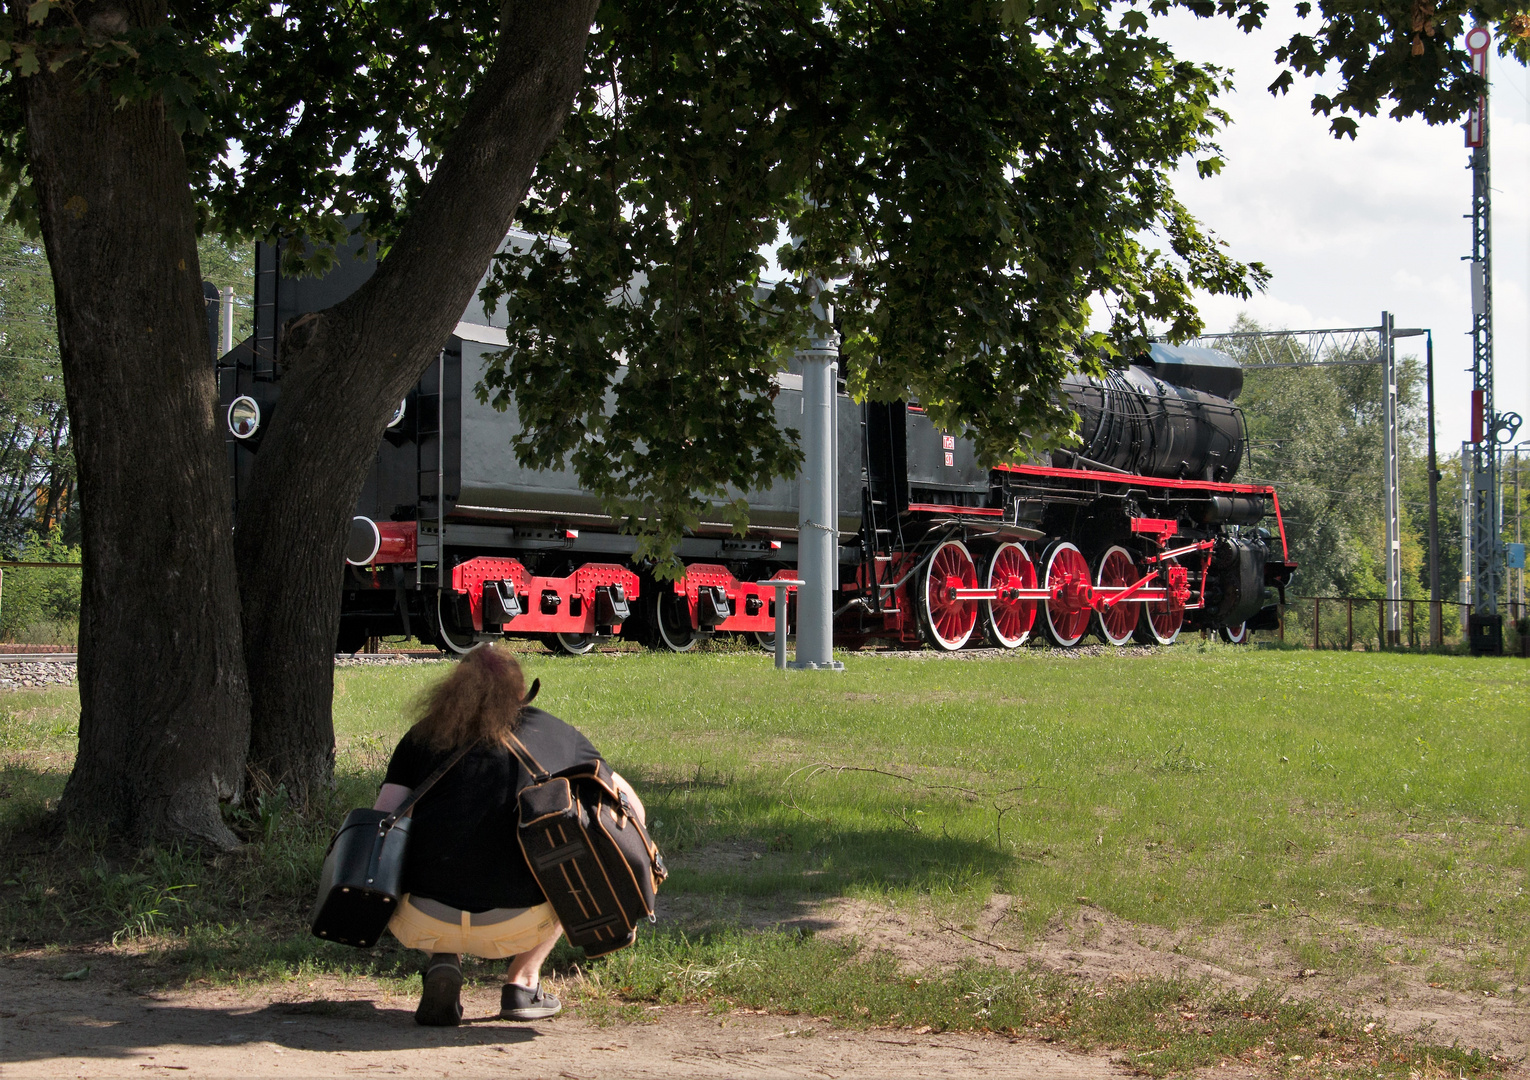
<point x="36" y="457"/>
<point x="1318" y="434"/>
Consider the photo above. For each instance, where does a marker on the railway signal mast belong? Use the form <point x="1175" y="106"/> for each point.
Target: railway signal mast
<point x="1489" y="428"/>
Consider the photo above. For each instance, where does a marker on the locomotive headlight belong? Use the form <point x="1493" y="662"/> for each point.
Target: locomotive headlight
<point x="243" y="417"/>
<point x="398" y="413"/>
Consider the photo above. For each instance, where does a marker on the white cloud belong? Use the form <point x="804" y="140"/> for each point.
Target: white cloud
<point x="1349" y="229"/>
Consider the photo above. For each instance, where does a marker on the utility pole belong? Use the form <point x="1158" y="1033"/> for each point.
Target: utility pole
<point x="1436" y="629"/>
<point x="1485" y="626"/>
<point x="1391" y="482"/>
<point x="1466" y="590"/>
<point x="1436" y="616"/>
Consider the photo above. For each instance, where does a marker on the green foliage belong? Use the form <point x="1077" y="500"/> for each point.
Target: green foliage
<point x="1371" y="48"/>
<point x="967" y="181"/>
<point x="42" y="605"/>
<point x="38" y="490"/>
<point x="37" y="474"/>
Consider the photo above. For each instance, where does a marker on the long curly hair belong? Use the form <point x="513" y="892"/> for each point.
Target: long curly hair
<point x="480" y="700"/>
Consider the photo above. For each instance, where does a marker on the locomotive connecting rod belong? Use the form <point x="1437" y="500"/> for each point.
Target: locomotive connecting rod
<point x="1129" y="593"/>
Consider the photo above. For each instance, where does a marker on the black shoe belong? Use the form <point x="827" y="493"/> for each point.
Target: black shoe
<point x="518" y="1002"/>
<point x="439" y="1004"/>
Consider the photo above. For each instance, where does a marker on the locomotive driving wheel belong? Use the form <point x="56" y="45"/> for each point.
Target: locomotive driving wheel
<point x="1117" y="570"/>
<point x="1234" y="635"/>
<point x="947" y="621"/>
<point x="1071" y="604"/>
<point x="1161" y="620"/>
<point x="1009" y="619"/>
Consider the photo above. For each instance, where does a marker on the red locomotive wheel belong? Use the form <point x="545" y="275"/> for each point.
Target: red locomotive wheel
<point x="1072" y="602"/>
<point x="1161" y="620"/>
<point x="1117" y="570"/>
<point x="1009" y="619"/>
<point x="948" y="622"/>
<point x="1234" y="635"/>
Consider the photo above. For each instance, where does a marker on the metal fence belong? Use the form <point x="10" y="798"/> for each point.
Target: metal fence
<point x="1368" y="622"/>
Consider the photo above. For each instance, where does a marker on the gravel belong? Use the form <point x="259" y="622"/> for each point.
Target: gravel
<point x="36" y="673"/>
<point x="384" y="659"/>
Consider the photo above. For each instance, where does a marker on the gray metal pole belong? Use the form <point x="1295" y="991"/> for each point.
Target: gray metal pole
<point x="1436" y="616"/>
<point x="1392" y="482"/>
<point x="817" y="526"/>
<point x="228" y="320"/>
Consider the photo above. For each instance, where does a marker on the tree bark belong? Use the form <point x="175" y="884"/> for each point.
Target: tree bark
<point x="164" y="705"/>
<point x="344" y="378"/>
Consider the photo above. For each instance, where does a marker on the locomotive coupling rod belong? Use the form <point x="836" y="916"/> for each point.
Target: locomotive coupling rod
<point x="1001" y="594"/>
<point x="1204" y="545"/>
<point x="1128" y="593"/>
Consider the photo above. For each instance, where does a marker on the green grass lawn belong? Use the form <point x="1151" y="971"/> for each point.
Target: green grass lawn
<point x="1387" y="789"/>
<point x="1279" y="792"/>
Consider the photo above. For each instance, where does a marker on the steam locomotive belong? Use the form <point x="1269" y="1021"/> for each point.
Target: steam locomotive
<point x="1136" y="534"/>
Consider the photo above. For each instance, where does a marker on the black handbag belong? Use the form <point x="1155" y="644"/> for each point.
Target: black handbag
<point x="363" y="875"/>
<point x="591" y="855"/>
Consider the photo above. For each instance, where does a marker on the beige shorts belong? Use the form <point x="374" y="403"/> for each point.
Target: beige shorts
<point x="435" y="927"/>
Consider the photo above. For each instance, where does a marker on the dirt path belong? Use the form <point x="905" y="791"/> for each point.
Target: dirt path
<point x="97" y="1027"/>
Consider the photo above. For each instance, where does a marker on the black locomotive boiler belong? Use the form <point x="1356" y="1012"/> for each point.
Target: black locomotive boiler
<point x="1135" y="534"/>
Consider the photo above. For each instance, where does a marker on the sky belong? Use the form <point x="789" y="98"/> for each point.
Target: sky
<point x="1352" y="229"/>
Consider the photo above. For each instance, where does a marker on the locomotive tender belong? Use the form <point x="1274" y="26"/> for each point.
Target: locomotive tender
<point x="1135" y="534"/>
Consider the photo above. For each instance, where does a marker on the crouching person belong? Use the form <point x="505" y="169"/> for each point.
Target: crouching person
<point x="468" y="887"/>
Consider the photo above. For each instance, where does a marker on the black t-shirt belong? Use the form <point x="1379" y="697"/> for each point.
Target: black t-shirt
<point x="463" y="849"/>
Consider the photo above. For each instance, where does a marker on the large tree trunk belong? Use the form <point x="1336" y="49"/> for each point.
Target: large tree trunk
<point x="346" y="370"/>
<point x="164" y="706"/>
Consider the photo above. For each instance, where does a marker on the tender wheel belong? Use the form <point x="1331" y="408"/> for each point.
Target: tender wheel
<point x="1117" y="570"/>
<point x="1009" y="621"/>
<point x="672" y="621"/>
<point x="1070" y="607"/>
<point x="569" y="644"/>
<point x="948" y="622"/>
<point x="1160" y="622"/>
<point x="1234" y="635"/>
<point x="452" y="639"/>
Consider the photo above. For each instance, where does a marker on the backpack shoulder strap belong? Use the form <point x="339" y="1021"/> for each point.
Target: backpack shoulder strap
<point x="418" y="793"/>
<point x="539" y="775"/>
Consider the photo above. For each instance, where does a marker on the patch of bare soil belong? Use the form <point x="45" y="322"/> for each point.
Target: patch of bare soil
<point x="100" y="1026"/>
<point x="1099" y="948"/>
